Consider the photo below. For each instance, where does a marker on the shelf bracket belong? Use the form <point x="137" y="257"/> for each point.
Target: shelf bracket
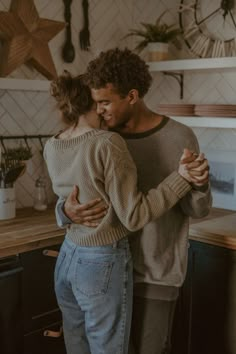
<point x="180" y="79"/>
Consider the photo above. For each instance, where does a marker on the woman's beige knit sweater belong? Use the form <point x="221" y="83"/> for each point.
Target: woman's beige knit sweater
<point x="99" y="163"/>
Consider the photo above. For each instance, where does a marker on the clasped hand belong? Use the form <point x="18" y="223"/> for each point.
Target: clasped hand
<point x="194" y="168"/>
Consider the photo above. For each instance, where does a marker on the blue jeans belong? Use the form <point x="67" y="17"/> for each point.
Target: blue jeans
<point x="94" y="289"/>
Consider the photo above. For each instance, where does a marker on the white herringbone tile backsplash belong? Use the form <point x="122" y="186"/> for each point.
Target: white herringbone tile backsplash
<point x="32" y="112"/>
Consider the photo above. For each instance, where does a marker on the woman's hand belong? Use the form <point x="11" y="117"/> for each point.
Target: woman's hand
<point x="194" y="168"/>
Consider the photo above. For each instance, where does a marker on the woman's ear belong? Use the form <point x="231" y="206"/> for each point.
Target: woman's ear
<point x="133" y="96"/>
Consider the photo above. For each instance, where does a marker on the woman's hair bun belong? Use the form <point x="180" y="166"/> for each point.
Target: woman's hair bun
<point x="73" y="96"/>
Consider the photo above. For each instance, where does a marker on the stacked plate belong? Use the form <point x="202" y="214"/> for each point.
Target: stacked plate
<point x="215" y="110"/>
<point x="176" y="109"/>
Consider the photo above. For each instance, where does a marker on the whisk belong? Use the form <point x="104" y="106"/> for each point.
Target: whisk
<point x="84" y="35"/>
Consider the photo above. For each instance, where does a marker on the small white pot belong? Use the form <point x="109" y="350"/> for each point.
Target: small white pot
<point x="7" y="203"/>
<point x="157" y="51"/>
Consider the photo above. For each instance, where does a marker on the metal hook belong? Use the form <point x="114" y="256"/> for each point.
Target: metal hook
<point x="26" y="143"/>
<point x="41" y="143"/>
<point x="3" y="145"/>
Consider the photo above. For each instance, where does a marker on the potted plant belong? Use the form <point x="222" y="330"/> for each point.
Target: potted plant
<point x="156" y="38"/>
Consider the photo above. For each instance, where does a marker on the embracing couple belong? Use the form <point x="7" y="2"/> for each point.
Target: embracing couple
<point x="128" y="179"/>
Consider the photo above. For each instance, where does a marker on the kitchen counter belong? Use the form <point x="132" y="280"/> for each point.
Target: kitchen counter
<point x="29" y="230"/>
<point x="217" y="230"/>
<point x="32" y="229"/>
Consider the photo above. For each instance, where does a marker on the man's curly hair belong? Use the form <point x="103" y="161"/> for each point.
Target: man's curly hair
<point x="122" y="68"/>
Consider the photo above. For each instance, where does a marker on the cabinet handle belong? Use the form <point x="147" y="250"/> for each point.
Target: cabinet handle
<point x="50" y="253"/>
<point x="54" y="334"/>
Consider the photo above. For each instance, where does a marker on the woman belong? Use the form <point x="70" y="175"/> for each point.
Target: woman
<point x="93" y="276"/>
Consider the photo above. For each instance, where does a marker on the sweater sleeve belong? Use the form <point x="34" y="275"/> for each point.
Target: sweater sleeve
<point x="197" y="204"/>
<point x="133" y="208"/>
<point x="62" y="220"/>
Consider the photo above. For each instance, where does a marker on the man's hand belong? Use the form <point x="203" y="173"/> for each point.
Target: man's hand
<point x="85" y="214"/>
<point x="196" y="168"/>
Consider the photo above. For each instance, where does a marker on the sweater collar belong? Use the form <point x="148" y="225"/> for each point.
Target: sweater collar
<point x="147" y="132"/>
<point x="74" y="141"/>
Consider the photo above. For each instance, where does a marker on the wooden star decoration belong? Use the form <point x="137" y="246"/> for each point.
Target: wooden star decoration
<point x="25" y="38"/>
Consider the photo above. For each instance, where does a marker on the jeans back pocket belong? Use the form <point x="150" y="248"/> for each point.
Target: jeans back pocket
<point x="92" y="276"/>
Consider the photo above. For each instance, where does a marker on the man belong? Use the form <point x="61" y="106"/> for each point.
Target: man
<point x="119" y="80"/>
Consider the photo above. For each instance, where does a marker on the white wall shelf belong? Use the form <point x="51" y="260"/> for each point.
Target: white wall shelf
<point x="194" y="64"/>
<point x="167" y="65"/>
<point x="24" y="84"/>
<point x="207" y="122"/>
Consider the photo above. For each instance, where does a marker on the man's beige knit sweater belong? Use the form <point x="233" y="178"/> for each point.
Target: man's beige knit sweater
<point x="99" y="163"/>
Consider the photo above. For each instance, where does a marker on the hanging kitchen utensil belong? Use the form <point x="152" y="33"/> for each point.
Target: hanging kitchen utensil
<point x="68" y="50"/>
<point x="84" y="35"/>
<point x="12" y="175"/>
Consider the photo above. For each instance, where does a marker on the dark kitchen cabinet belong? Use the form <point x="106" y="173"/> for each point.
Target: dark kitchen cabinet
<point x="205" y="320"/>
<point x="11" y="333"/>
<point x="41" y="315"/>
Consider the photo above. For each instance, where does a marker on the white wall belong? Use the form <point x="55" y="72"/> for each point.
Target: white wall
<point x="31" y="112"/>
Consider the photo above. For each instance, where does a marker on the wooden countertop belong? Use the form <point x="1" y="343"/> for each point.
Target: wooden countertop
<point x="33" y="229"/>
<point x="219" y="229"/>
<point x="30" y="230"/>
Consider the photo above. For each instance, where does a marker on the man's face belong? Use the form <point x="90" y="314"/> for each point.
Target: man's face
<point x="115" y="110"/>
<point x="92" y="117"/>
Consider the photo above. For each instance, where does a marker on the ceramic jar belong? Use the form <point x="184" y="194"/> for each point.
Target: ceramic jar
<point x="7" y="203"/>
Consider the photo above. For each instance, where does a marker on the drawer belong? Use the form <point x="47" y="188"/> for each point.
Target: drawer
<point x="47" y="340"/>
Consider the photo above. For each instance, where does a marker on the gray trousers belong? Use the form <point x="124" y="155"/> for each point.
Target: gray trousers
<point x="151" y="326"/>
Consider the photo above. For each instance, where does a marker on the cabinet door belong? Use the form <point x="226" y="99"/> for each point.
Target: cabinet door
<point x="181" y="333"/>
<point x="38" y="343"/>
<point x="205" y="318"/>
<point x="210" y="298"/>
<point x="39" y="301"/>
<point x="11" y="334"/>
